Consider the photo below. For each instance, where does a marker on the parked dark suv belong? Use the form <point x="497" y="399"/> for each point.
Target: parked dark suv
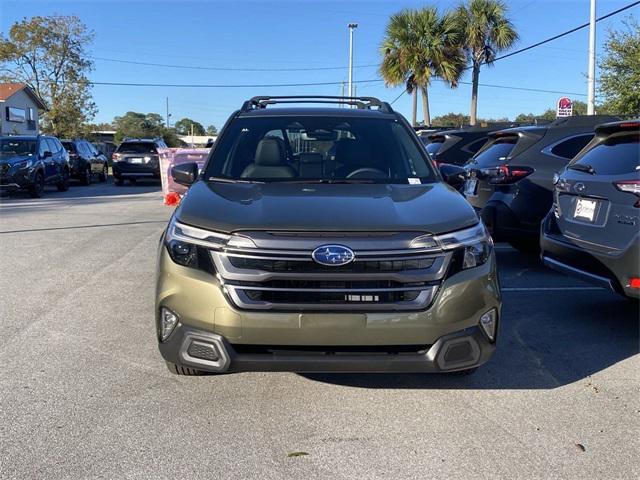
<point x="457" y="146"/>
<point x="323" y="239"/>
<point x="593" y="230"/>
<point x="31" y="162"/>
<point x="137" y="158"/>
<point x="86" y="161"/>
<point x="511" y="178"/>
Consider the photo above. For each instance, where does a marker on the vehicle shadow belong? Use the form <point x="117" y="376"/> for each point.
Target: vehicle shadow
<point x="544" y="342"/>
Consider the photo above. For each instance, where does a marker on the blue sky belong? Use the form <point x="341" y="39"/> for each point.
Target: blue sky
<point x="304" y="33"/>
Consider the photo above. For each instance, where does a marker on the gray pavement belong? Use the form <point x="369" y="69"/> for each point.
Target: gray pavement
<point x="84" y="392"/>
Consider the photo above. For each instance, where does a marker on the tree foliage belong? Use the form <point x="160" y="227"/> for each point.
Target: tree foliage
<point x="48" y="54"/>
<point x="183" y="127"/>
<point x="420" y="45"/>
<point x="212" y="130"/>
<point x="144" y="125"/>
<point x="619" y="85"/>
<point x="486" y="31"/>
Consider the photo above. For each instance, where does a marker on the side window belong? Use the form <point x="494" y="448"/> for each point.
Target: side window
<point x="474" y="146"/>
<point x="570" y="147"/>
<point x="51" y="146"/>
<point x="42" y="147"/>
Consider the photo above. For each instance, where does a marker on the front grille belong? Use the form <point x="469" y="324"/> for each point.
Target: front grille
<point x="281" y="275"/>
<point x="312" y="267"/>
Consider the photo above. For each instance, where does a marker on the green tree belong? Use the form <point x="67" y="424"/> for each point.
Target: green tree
<point x="212" y="130"/>
<point x="420" y="45"/>
<point x="48" y="54"/>
<point x="486" y="31"/>
<point x="451" y="120"/>
<point x="183" y="127"/>
<point x="138" y="125"/>
<point x="619" y="85"/>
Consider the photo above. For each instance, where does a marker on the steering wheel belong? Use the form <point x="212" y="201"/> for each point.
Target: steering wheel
<point x="367" y="173"/>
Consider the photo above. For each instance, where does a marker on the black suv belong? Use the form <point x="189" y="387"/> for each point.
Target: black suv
<point x="510" y="180"/>
<point x="31" y="162"/>
<point x="137" y="158"/>
<point x="86" y="161"/>
<point x="592" y="230"/>
<point x="457" y="146"/>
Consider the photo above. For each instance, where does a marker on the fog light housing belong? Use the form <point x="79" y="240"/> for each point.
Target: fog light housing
<point x="489" y="324"/>
<point x="168" y="321"/>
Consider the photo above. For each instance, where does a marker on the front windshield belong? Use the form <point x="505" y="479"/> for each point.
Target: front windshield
<point x="319" y="149"/>
<point x="13" y="147"/>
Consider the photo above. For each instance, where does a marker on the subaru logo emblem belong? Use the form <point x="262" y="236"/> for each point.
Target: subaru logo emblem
<point x="334" y="255"/>
<point x="579" y="187"/>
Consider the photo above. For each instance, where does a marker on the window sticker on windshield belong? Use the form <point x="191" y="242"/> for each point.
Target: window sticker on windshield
<point x="414" y="181"/>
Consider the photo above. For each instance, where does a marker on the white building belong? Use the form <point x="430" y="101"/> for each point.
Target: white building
<point x="20" y="107"/>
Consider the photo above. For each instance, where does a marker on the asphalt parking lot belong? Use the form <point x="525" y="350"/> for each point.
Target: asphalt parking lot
<point x="84" y="392"/>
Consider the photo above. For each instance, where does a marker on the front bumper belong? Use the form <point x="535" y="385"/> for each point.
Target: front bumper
<point x="202" y="307"/>
<point x="610" y="271"/>
<point x="20" y="180"/>
<point x="211" y="352"/>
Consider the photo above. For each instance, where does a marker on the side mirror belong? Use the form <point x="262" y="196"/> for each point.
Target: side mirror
<point x="185" y="173"/>
<point x="47" y="154"/>
<point x="453" y="175"/>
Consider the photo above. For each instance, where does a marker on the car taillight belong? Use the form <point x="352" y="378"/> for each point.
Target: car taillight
<point x="506" y="174"/>
<point x="630" y="186"/>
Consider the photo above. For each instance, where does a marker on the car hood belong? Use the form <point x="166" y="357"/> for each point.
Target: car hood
<point x="431" y="208"/>
<point x="11" y="159"/>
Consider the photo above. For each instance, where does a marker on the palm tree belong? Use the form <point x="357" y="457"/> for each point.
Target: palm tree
<point x="420" y="45"/>
<point x="486" y="30"/>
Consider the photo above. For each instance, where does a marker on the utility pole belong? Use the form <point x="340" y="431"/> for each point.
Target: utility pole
<point x="342" y="94"/>
<point x="352" y="27"/>
<point x="168" y="114"/>
<point x="591" y="94"/>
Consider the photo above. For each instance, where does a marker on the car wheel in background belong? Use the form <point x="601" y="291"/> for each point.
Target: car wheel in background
<point x="526" y="245"/>
<point x="133" y="181"/>
<point x="63" y="185"/>
<point x="105" y="173"/>
<point x="85" y="179"/>
<point x="118" y="181"/>
<point x="180" y="370"/>
<point x="38" y="186"/>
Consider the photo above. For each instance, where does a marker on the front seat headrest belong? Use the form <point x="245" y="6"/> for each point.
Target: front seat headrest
<point x="270" y="152"/>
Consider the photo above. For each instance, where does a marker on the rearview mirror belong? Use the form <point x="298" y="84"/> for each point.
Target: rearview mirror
<point x="185" y="173"/>
<point x="453" y="175"/>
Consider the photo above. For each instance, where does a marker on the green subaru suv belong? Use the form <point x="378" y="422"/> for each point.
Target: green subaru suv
<point x="324" y="240"/>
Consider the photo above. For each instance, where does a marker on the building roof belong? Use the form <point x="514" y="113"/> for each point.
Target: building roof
<point x="7" y="90"/>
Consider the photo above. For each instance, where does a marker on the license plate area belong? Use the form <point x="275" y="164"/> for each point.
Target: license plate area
<point x="585" y="210"/>
<point x="136" y="160"/>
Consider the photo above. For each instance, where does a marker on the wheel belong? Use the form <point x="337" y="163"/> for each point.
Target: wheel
<point x="38" y="186"/>
<point x="118" y="181"/>
<point x="526" y="245"/>
<point x="133" y="181"/>
<point x="180" y="370"/>
<point x="63" y="185"/>
<point x="463" y="373"/>
<point x="105" y="173"/>
<point x="85" y="179"/>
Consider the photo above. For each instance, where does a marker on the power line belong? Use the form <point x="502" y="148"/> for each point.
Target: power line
<point x="550" y="39"/>
<point x="232" y="69"/>
<point x="208" y="85"/>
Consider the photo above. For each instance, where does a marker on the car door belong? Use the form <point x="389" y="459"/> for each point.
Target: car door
<point x="58" y="156"/>
<point x="46" y="155"/>
<point x="94" y="156"/>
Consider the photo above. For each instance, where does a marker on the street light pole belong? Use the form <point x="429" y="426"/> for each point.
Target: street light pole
<point x="591" y="94"/>
<point x="352" y="27"/>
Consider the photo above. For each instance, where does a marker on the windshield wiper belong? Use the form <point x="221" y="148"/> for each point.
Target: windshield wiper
<point x="582" y="167"/>
<point x="231" y="180"/>
<point x="327" y="180"/>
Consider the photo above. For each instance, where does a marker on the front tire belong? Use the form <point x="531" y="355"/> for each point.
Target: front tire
<point x="63" y="185"/>
<point x="38" y="186"/>
<point x="118" y="181"/>
<point x="186" y="371"/>
<point x="86" y="176"/>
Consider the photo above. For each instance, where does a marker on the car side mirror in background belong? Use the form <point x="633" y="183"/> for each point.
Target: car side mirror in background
<point x="185" y="173"/>
<point x="453" y="175"/>
<point x="47" y="154"/>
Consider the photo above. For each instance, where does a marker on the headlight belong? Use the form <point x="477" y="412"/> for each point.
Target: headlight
<point x="474" y="243"/>
<point x="189" y="246"/>
<point x="24" y="164"/>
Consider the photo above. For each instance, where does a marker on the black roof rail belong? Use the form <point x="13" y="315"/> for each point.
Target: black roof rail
<point x="359" y="102"/>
